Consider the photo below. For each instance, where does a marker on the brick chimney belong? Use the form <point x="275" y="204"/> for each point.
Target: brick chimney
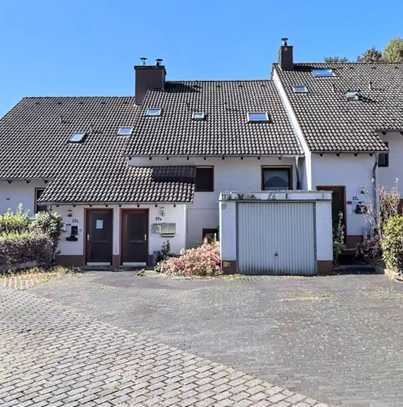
<point x="148" y="77"/>
<point x="285" y="56"/>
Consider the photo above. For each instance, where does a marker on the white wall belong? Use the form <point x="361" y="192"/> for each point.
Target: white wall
<point x="353" y="172"/>
<point x="18" y="192"/>
<point x="228" y="230"/>
<point x="324" y="231"/>
<point x="72" y="216"/>
<point x="386" y="176"/>
<point x="231" y="174"/>
<point x="75" y="216"/>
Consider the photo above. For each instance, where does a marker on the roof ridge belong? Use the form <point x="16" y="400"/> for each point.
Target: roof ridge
<point x="78" y="97"/>
<point x="221" y="80"/>
<point x="346" y="63"/>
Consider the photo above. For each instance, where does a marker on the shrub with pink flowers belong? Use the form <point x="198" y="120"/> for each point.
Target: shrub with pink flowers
<point x="201" y="261"/>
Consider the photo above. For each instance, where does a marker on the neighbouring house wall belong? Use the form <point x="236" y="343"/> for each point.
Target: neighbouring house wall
<point x="387" y="176"/>
<point x="353" y="172"/>
<point x="18" y="192"/>
<point x="231" y="174"/>
<point x="162" y="213"/>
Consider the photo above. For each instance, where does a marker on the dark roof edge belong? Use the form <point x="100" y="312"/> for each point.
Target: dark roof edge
<point x="348" y="151"/>
<point x="209" y="156"/>
<point x="342" y="63"/>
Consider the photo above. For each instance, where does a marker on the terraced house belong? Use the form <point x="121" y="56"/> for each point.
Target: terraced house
<point x="266" y="164"/>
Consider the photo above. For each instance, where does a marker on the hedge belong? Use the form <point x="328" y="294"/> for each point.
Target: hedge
<point x="16" y="248"/>
<point x="392" y="243"/>
<point x="14" y="222"/>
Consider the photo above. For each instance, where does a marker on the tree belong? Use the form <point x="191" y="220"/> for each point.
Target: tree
<point x="371" y="55"/>
<point x="332" y="60"/>
<point x="393" y="52"/>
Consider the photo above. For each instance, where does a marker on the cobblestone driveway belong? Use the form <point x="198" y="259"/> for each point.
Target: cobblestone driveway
<point x="51" y="355"/>
<point x="338" y="339"/>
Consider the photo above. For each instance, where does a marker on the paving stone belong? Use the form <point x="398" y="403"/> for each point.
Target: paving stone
<point x="47" y="349"/>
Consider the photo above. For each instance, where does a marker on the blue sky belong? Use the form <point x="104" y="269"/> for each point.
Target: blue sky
<point x="83" y="47"/>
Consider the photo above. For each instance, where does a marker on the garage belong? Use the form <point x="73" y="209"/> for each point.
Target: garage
<point x="284" y="233"/>
<point x="276" y="238"/>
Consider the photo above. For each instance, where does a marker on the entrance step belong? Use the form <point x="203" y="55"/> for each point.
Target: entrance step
<point x="131" y="268"/>
<point x="97" y="268"/>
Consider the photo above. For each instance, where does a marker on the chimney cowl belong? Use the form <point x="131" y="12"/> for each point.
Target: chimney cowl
<point x="285" y="56"/>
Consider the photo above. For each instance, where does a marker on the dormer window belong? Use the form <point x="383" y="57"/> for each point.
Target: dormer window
<point x="153" y="112"/>
<point x="300" y="89"/>
<point x="198" y="115"/>
<point x="322" y="73"/>
<point x="77" y="137"/>
<point x="258" y="117"/>
<point x="125" y="131"/>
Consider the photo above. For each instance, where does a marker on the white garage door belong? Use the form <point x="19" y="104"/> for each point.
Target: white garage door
<point x="276" y="238"/>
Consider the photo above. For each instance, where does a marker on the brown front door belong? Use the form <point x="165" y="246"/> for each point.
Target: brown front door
<point x="338" y="202"/>
<point x="134" y="236"/>
<point x="99" y="235"/>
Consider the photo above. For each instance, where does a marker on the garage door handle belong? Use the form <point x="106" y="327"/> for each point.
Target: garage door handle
<point x="276" y="254"/>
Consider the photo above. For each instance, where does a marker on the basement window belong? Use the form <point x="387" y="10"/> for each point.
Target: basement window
<point x="258" y="117"/>
<point x="153" y="112"/>
<point x="300" y="89"/>
<point x="323" y="73"/>
<point x="125" y="131"/>
<point x="198" y="115"/>
<point x="77" y="137"/>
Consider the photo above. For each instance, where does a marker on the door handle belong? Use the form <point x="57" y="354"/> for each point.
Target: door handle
<point x="88" y="237"/>
<point x="145" y="236"/>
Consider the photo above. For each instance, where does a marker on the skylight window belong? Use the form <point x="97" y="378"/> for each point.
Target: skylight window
<point x="125" y="131"/>
<point x="323" y="73"/>
<point x="300" y="89"/>
<point x="258" y="117"/>
<point x="198" y="115"/>
<point x="153" y="112"/>
<point x="77" y="137"/>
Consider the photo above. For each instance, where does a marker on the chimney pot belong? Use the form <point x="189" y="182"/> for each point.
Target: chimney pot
<point x="143" y="60"/>
<point x="158" y="61"/>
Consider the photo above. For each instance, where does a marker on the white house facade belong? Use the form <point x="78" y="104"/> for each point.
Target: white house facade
<point x="128" y="174"/>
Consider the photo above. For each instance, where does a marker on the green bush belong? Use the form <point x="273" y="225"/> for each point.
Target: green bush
<point x="50" y="224"/>
<point x="392" y="243"/>
<point x="17" y="221"/>
<point x="25" y="247"/>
